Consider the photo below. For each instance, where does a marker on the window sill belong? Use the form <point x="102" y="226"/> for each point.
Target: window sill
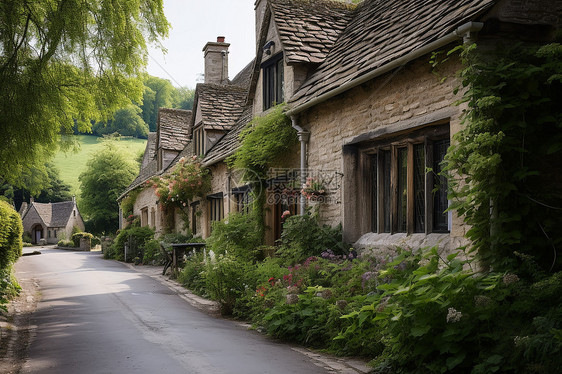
<point x="386" y="244"/>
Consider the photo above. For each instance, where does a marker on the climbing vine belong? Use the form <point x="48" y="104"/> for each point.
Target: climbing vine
<point x="506" y="161"/>
<point x="266" y="139"/>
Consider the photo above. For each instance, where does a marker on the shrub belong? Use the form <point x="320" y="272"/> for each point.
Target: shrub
<point x="65" y="243"/>
<point x="238" y="235"/>
<point x="11" y="230"/>
<point x="95" y="241"/>
<point x="135" y="238"/>
<point x="26" y="238"/>
<point x="303" y="237"/>
<point x="151" y="252"/>
<point x="192" y="275"/>
<point x="225" y="280"/>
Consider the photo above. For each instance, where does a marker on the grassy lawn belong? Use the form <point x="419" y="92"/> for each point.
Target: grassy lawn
<point x="72" y="164"/>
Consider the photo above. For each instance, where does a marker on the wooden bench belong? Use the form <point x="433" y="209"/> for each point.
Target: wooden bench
<point x="175" y="255"/>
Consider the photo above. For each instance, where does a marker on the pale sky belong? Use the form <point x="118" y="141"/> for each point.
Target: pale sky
<point x="196" y="22"/>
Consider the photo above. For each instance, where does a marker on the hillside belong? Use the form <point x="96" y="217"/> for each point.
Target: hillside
<point x="72" y="164"/>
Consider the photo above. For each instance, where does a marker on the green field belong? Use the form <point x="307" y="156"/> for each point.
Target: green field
<point x="72" y="164"/>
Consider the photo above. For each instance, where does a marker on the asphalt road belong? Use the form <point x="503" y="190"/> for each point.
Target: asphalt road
<point x="98" y="316"/>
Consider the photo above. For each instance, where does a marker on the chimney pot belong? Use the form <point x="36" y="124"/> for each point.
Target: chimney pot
<point x="220" y="39"/>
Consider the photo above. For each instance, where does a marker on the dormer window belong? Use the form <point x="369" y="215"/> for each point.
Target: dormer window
<point x="199" y="141"/>
<point x="273" y="81"/>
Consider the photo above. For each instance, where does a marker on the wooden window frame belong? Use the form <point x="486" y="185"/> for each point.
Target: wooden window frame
<point x="378" y="151"/>
<point x="216" y="207"/>
<point x="273" y="81"/>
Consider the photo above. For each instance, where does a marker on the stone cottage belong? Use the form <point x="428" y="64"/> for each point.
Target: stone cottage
<point x="51" y="222"/>
<point x="371" y="114"/>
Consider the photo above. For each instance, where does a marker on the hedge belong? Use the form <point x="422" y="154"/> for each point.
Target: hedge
<point x="11" y="230"/>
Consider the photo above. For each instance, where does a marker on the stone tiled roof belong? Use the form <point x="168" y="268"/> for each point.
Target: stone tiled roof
<point x="150" y="149"/>
<point x="382" y="31"/>
<point x="220" y="105"/>
<point x="309" y="28"/>
<point x="230" y="142"/>
<point x="54" y="214"/>
<point x="173" y="128"/>
<point x="243" y="78"/>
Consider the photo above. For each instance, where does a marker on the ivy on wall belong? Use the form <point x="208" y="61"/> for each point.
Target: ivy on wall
<point x="507" y="159"/>
<point x="262" y="145"/>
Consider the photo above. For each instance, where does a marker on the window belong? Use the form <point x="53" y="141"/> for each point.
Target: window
<point x="194" y="211"/>
<point x="243" y="199"/>
<point x="48" y="233"/>
<point x="199" y="141"/>
<point x="407" y="193"/>
<point x="153" y="218"/>
<point x="273" y="81"/>
<point x="144" y="217"/>
<point x="216" y="209"/>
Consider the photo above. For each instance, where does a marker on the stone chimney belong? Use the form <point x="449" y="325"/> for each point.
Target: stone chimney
<point x="31" y="200"/>
<point x="259" y="6"/>
<point x="216" y="61"/>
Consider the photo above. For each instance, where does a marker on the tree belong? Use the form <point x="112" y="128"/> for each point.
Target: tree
<point x="108" y="173"/>
<point x="158" y="93"/>
<point x="183" y="98"/>
<point x="42" y="182"/>
<point x="67" y="62"/>
<point x="126" y="121"/>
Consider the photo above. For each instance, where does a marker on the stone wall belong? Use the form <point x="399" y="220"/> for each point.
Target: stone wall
<point x="147" y="199"/>
<point x="407" y="97"/>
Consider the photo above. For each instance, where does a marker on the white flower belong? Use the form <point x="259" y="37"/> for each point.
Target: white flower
<point x="453" y="315"/>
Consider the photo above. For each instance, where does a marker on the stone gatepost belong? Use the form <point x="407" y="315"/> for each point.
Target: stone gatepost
<point x="85" y="244"/>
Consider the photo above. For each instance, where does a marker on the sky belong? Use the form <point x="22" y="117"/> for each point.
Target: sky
<point x="193" y="24"/>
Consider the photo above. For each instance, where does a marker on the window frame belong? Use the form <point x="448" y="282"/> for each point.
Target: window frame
<point x="216" y="207"/>
<point x="383" y="182"/>
<point x="273" y="84"/>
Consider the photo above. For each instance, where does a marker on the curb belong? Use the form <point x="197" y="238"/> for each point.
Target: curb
<point x="333" y="364"/>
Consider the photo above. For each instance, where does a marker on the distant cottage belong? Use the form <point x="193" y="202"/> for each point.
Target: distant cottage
<point x="50" y="222"/>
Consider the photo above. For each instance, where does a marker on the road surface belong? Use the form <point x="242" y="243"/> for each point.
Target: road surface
<point x="99" y="316"/>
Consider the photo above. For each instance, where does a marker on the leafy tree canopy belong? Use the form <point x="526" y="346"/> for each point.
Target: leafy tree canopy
<point x="108" y="173"/>
<point x="65" y="63"/>
<point x="126" y="121"/>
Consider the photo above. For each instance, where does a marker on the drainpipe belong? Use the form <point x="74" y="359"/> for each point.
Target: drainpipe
<point x="304" y="137"/>
<point x="467" y="32"/>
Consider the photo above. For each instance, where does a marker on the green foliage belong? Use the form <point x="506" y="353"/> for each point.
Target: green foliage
<point x="303" y="237"/>
<point x="26" y="238"/>
<point x="188" y="180"/>
<point x="238" y="236"/>
<point x="11" y="230"/>
<point x="135" y="238"/>
<point x="65" y="63"/>
<point x="126" y="121"/>
<point x="158" y="93"/>
<point x="225" y="279"/>
<point x="263" y="142"/>
<point x="152" y="252"/>
<point x="76" y="237"/>
<point x="9" y="286"/>
<point x="128" y="202"/>
<point x="73" y="163"/>
<point x="506" y="158"/>
<point x="108" y="173"/>
<point x="63" y="243"/>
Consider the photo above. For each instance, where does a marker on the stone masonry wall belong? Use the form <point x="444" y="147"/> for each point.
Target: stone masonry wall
<point x="411" y="92"/>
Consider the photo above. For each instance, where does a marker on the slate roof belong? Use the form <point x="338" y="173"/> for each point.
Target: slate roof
<point x="220" y="105"/>
<point x="228" y="144"/>
<point x="382" y="31"/>
<point x="173" y="128"/>
<point x="309" y="28"/>
<point x="243" y="78"/>
<point x="54" y="214"/>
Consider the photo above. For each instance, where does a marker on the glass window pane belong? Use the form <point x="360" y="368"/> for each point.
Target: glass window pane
<point x="374" y="194"/>
<point x="440" y="202"/>
<point x="419" y="188"/>
<point x="402" y="193"/>
<point x="386" y="189"/>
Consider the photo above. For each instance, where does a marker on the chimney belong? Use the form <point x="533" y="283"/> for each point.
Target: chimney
<point x="31" y="200"/>
<point x="216" y="61"/>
